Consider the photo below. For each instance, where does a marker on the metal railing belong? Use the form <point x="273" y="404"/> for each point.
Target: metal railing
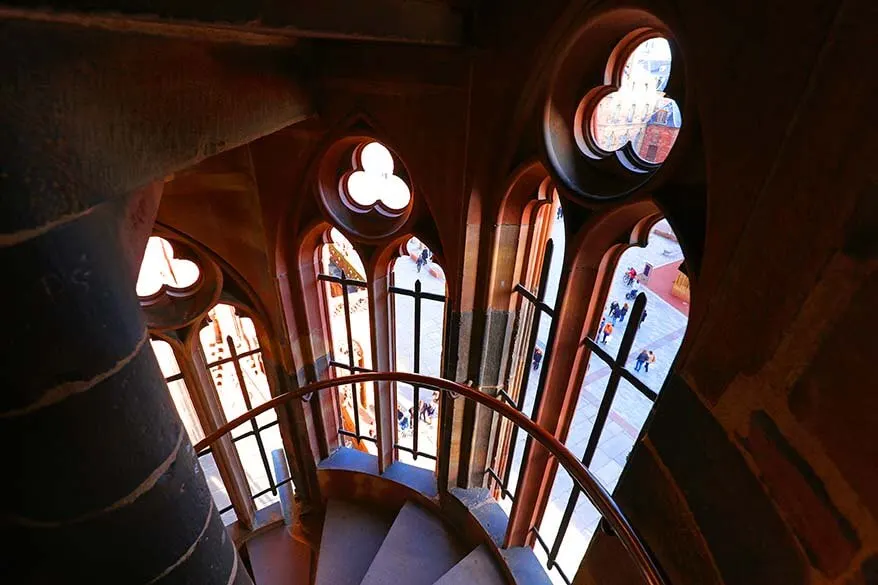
<point x="582" y="477"/>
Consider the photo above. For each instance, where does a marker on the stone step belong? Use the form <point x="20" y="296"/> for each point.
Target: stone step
<point x="476" y="568"/>
<point x="525" y="566"/>
<point x="352" y="535"/>
<point x="278" y="559"/>
<point x="418" y="550"/>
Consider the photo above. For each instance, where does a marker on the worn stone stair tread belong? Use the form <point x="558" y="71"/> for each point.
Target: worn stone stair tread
<point x="525" y="566"/>
<point x="278" y="559"/>
<point x="418" y="550"/>
<point x="352" y="535"/>
<point x="476" y="568"/>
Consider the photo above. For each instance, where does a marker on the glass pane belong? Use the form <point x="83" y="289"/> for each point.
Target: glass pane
<point x="224" y="323"/>
<point x="217" y="487"/>
<point x="251" y="461"/>
<point x="653" y="270"/>
<point x="179" y="392"/>
<point x="638" y="111"/>
<point x="583" y="523"/>
<point x="404" y="315"/>
<point x="408" y="271"/>
<point x="272" y="440"/>
<point x="534" y="361"/>
<point x="364" y="394"/>
<point x="427" y="415"/>
<point x="587" y="405"/>
<point x="558" y="245"/>
<point x="225" y="380"/>
<point x="160" y="268"/>
<point x="376" y="181"/>
<point x="432" y="335"/>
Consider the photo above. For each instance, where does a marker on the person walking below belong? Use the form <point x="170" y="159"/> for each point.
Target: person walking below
<point x="423" y="258"/>
<point x="642" y="357"/>
<point x="651" y="360"/>
<point x="538" y="358"/>
<point x="608" y="330"/>
<point x="622" y="312"/>
<point x="614" y="306"/>
<point x="597" y="334"/>
<point x="643" y="317"/>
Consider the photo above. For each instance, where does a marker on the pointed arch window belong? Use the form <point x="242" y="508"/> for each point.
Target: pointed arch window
<point x="233" y="354"/>
<point x="627" y="366"/>
<point x="417" y="301"/>
<point x="211" y="356"/>
<point x="345" y="295"/>
<point x="541" y="257"/>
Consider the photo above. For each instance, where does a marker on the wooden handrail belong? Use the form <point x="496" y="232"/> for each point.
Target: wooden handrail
<point x="580" y="474"/>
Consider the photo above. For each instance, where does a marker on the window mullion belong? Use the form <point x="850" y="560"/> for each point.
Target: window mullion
<point x="226" y="455"/>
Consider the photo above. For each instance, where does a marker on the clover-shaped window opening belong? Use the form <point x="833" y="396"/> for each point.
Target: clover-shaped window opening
<point x="160" y="270"/>
<point x="372" y="184"/>
<point x="651" y="120"/>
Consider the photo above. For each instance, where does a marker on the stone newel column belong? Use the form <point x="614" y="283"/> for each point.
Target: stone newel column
<point x="98" y="480"/>
<point x="102" y="478"/>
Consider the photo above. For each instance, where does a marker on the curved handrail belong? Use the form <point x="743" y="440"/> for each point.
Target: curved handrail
<point x="580" y="474"/>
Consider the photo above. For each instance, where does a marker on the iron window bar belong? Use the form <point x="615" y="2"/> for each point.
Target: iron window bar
<point x="344" y="282"/>
<point x="272" y="488"/>
<point x="505" y="492"/>
<point x="418" y="295"/>
<point x="236" y="362"/>
<point x="550" y="563"/>
<point x="223" y="361"/>
<point x="617" y="368"/>
<point x="540" y="307"/>
<point x="505" y="396"/>
<point x="613" y="516"/>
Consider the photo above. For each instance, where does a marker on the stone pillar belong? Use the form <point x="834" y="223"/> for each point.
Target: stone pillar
<point x="101" y="480"/>
<point x="100" y="483"/>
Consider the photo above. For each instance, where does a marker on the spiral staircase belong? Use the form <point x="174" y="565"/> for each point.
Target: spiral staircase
<point x="397" y="526"/>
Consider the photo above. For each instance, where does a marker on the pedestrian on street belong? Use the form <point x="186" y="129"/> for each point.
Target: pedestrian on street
<point x="623" y="312"/>
<point x="423" y="258"/>
<point x="428" y="411"/>
<point x="641" y="358"/>
<point x="608" y="331"/>
<point x="614" y="306"/>
<point x="651" y="360"/>
<point x="538" y="358"/>
<point x="402" y="419"/>
<point x="600" y="328"/>
<point x="643" y="317"/>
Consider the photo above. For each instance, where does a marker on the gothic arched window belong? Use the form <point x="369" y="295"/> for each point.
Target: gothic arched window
<point x="639" y="333"/>
<point x="345" y="294"/>
<point x="214" y="372"/>
<point x="540" y="258"/>
<point x="234" y="359"/>
<point x="417" y="313"/>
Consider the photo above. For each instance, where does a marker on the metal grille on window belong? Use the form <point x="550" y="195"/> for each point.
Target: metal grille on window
<point x="418" y="321"/>
<point x="347" y="305"/>
<point x="238" y="372"/>
<point x="534" y="335"/>
<point x="618" y="373"/>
